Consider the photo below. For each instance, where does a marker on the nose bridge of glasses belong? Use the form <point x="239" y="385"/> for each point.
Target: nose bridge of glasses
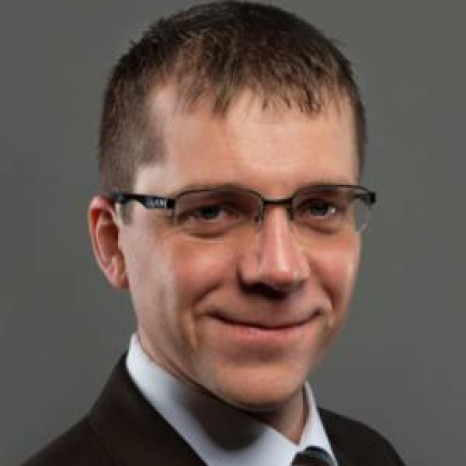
<point x="276" y="226"/>
<point x="285" y="202"/>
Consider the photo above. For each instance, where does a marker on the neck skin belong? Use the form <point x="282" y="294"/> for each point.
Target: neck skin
<point x="289" y="420"/>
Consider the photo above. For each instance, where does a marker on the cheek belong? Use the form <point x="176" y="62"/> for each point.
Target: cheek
<point x="193" y="271"/>
<point x="197" y="269"/>
<point x="338" y="268"/>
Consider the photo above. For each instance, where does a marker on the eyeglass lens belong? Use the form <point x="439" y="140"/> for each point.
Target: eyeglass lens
<point x="325" y="210"/>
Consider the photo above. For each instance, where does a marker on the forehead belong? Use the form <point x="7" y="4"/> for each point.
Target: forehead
<point x="273" y="150"/>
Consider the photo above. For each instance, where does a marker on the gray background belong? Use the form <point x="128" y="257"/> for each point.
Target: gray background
<point x="399" y="365"/>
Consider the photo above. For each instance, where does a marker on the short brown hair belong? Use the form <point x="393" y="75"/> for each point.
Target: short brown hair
<point x="217" y="50"/>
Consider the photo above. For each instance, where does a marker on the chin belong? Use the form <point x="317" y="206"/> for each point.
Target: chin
<point x="259" y="390"/>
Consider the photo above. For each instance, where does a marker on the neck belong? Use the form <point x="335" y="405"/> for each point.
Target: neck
<point x="289" y="419"/>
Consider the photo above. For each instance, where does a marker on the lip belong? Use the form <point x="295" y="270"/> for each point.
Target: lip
<point x="262" y="330"/>
<point x="269" y="321"/>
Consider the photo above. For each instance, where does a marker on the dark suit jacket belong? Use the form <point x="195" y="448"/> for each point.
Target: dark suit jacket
<point x="122" y="429"/>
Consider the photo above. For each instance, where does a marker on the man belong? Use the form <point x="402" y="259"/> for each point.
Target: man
<point x="232" y="143"/>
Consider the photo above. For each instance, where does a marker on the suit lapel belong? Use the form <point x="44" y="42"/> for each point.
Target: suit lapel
<point x="342" y="458"/>
<point x="132" y="432"/>
<point x="337" y="437"/>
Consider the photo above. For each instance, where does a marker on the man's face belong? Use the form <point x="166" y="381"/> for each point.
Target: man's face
<point x="245" y="321"/>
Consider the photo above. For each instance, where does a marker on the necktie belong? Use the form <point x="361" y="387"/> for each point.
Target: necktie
<point x="313" y="456"/>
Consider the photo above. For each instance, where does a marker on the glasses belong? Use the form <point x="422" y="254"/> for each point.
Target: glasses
<point x="216" y="213"/>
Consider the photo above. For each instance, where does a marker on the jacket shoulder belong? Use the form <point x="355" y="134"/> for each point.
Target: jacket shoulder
<point x="79" y="446"/>
<point x="358" y="442"/>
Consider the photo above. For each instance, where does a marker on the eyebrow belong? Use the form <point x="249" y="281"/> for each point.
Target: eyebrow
<point x="233" y="185"/>
<point x="207" y="186"/>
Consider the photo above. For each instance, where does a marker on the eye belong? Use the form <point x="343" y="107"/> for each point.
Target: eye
<point x="321" y="208"/>
<point x="208" y="216"/>
<point x="324" y="212"/>
<point x="318" y="209"/>
<point x="208" y="213"/>
<point x="211" y="213"/>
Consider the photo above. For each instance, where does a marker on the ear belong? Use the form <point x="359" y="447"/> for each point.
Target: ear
<point x="104" y="229"/>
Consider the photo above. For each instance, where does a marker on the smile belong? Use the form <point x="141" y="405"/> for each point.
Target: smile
<point x="264" y="331"/>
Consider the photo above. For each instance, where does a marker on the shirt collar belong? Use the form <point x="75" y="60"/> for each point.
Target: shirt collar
<point x="220" y="434"/>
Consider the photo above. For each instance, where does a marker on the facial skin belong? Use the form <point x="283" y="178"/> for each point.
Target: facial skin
<point x="246" y="323"/>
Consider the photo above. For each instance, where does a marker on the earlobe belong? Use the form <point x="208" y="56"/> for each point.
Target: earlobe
<point x="105" y="231"/>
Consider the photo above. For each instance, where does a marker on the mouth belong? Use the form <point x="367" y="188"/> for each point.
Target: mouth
<point x="261" y="329"/>
<point x="267" y="320"/>
<point x="265" y="326"/>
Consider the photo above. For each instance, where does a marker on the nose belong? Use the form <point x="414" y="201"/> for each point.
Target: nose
<point x="275" y="260"/>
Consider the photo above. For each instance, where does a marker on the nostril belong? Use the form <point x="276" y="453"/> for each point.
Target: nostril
<point x="266" y="291"/>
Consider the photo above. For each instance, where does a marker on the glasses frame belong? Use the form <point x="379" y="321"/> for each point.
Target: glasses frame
<point x="150" y="201"/>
